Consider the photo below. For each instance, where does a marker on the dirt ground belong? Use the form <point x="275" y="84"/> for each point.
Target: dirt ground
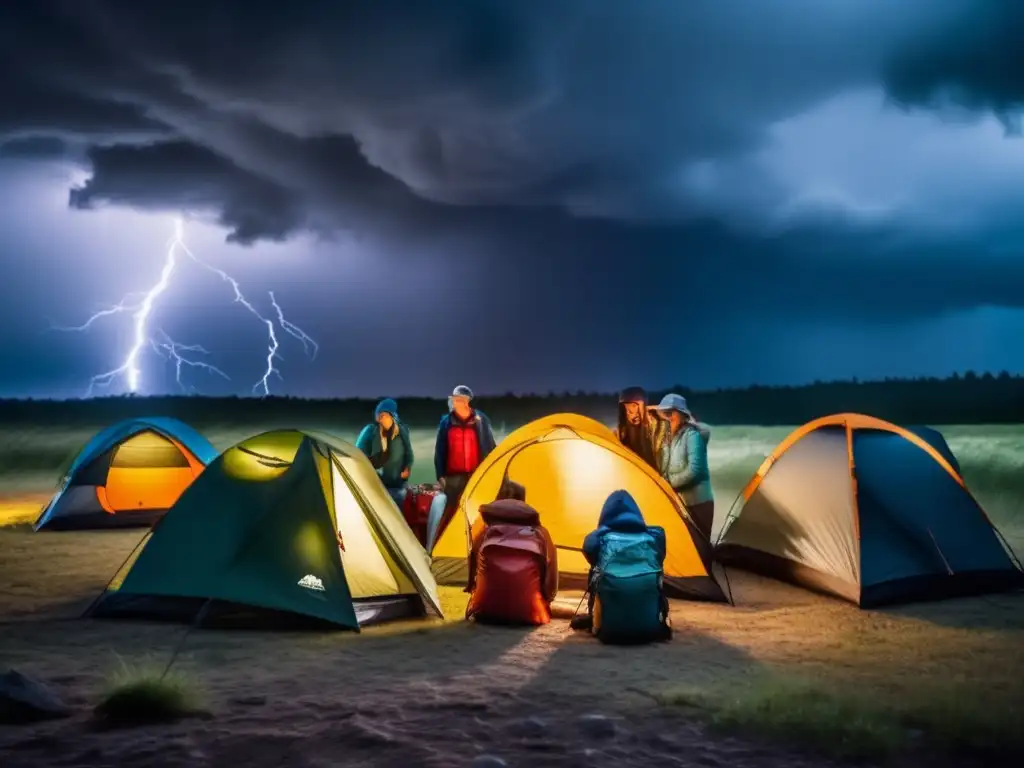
<point x="442" y="693"/>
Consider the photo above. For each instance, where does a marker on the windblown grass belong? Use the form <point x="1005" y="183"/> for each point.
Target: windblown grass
<point x="139" y="695"/>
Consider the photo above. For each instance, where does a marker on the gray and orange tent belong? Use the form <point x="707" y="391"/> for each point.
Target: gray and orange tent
<point x="127" y="475"/>
<point x="874" y="513"/>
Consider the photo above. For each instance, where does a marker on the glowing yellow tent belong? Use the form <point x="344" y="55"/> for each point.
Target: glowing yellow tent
<point x="569" y="465"/>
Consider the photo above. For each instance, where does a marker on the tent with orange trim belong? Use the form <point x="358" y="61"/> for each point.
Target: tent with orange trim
<point x="569" y="465"/>
<point x="128" y="475"/>
<point x="877" y="514"/>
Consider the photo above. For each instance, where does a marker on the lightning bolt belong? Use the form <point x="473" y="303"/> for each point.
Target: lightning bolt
<point x="272" y="344"/>
<point x="294" y="330"/>
<point x="172" y="350"/>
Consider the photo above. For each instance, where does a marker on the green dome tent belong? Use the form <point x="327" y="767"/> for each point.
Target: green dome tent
<point x="283" y="527"/>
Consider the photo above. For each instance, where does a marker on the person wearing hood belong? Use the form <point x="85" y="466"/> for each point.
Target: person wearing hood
<point x="387" y="444"/>
<point x="464" y="439"/>
<point x="684" y="461"/>
<point x="619" y="514"/>
<point x="639" y="429"/>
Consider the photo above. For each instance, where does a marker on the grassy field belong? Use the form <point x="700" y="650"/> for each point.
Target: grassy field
<point x="782" y="665"/>
<point x="992" y="459"/>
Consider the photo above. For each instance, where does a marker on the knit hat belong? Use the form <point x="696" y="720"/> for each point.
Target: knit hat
<point x="463" y="391"/>
<point x="387" y="405"/>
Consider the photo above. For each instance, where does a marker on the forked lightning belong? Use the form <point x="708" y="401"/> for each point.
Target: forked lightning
<point x="171" y="350"/>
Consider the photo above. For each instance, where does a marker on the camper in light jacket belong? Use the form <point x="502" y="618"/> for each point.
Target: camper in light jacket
<point x="684" y="461"/>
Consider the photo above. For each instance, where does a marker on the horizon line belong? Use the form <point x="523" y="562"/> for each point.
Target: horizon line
<point x="855" y="381"/>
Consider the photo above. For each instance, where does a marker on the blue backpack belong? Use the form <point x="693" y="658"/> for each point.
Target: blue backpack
<point x="629" y="603"/>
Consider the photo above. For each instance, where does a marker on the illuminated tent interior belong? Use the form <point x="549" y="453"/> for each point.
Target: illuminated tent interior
<point x="873" y="513"/>
<point x="255" y="540"/>
<point x="569" y="465"/>
<point x="128" y="475"/>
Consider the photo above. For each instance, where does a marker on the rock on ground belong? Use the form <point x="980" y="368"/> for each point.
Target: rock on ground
<point x="26" y="700"/>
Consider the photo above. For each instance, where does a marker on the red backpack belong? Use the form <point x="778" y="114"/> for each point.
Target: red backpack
<point x="513" y="566"/>
<point x="416" y="508"/>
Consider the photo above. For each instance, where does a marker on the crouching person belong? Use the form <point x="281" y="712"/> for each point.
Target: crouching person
<point x="513" y="566"/>
<point x="627" y="557"/>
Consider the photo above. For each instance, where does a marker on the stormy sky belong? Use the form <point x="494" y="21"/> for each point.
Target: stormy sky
<point x="521" y="195"/>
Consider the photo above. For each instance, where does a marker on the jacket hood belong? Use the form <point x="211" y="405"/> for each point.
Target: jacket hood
<point x="387" y="405"/>
<point x="621" y="513"/>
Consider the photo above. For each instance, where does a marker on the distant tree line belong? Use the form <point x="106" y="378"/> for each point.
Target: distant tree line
<point x="960" y="399"/>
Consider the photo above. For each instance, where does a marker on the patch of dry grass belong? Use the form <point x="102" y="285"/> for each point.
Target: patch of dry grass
<point x="143" y="694"/>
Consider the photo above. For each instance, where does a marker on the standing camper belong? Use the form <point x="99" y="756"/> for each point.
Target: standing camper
<point x="464" y="439"/>
<point x="684" y="461"/>
<point x="639" y="429"/>
<point x="387" y="444"/>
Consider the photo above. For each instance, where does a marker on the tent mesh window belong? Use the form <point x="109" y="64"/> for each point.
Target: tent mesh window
<point x="93" y="473"/>
<point x="147" y="450"/>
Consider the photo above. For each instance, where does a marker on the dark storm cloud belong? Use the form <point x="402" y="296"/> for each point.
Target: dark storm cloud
<point x="33" y="109"/>
<point x="974" y="60"/>
<point x="565" y="139"/>
<point x="44" y="60"/>
<point x="186" y="176"/>
<point x="34" y="147"/>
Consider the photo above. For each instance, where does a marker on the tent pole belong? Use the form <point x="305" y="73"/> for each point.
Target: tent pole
<point x="1009" y="549"/>
<point x="729" y="517"/>
<point x="937" y="549"/>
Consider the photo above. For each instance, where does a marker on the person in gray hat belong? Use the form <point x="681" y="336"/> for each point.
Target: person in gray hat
<point x="684" y="461"/>
<point x="464" y="439"/>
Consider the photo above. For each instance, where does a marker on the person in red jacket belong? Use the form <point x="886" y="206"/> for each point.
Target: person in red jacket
<point x="464" y="438"/>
